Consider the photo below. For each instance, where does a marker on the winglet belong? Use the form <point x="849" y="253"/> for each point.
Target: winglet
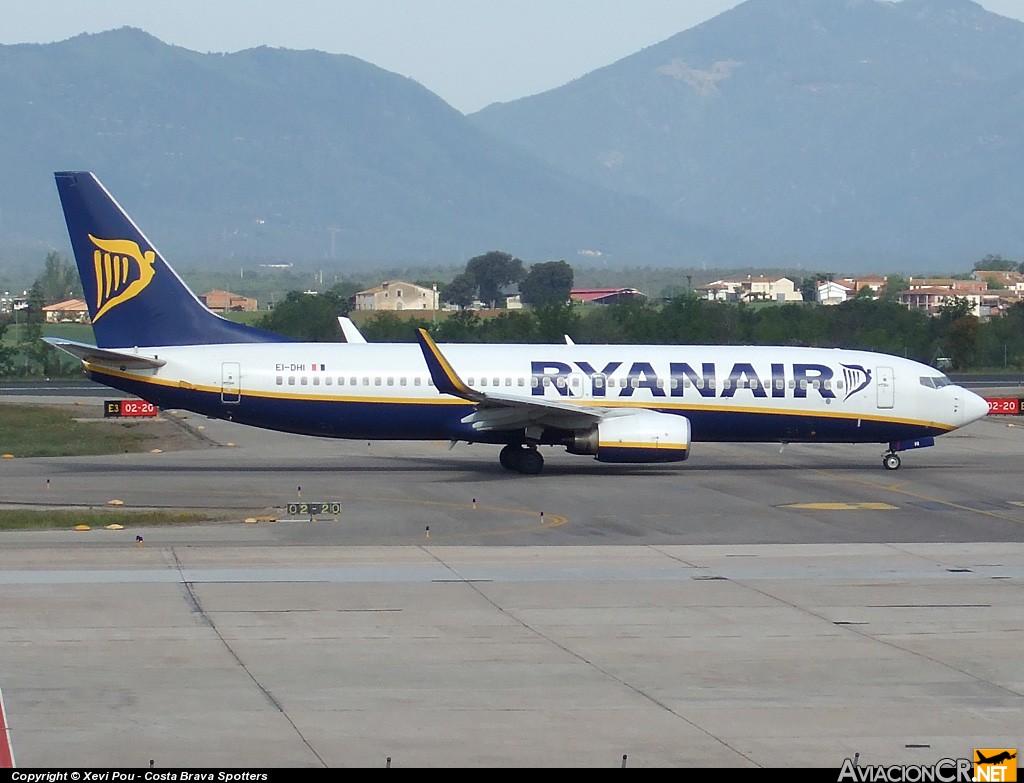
<point x="445" y="378"/>
<point x="350" y="330"/>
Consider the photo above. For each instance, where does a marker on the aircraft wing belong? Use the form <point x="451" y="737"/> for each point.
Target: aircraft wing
<point x="106" y="356"/>
<point x="496" y="411"/>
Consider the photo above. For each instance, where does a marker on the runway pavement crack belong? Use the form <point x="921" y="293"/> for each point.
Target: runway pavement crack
<point x="197" y="605"/>
<point x="474" y="586"/>
<point x="859" y="631"/>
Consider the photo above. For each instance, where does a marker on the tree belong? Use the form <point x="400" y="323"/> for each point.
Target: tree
<point x="557" y="320"/>
<point x="894" y="286"/>
<point x="344" y="293"/>
<point x="307" y="317"/>
<point x="548" y="283"/>
<point x="809" y="285"/>
<point x="32" y="346"/>
<point x="954" y="308"/>
<point x="59" y="280"/>
<point x="493" y="271"/>
<point x="994" y="263"/>
<point x="962" y="341"/>
<point x="7" y="352"/>
<point x="461" y="290"/>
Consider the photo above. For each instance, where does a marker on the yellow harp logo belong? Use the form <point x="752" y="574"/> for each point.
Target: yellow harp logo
<point x="118" y="279"/>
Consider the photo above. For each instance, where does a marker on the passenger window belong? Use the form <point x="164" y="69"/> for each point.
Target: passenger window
<point x="391" y="381"/>
<point x="598" y="381"/>
<point x="416" y="381"/>
<point x="316" y="380"/>
<point x="780" y="384"/>
<point x="483" y="381"/>
<point x="304" y="380"/>
<point x="376" y="381"/>
<point x="402" y="381"/>
<point x="291" y="380"/>
<point x="280" y="380"/>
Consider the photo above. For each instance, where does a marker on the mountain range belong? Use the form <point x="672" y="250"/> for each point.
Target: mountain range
<point x="853" y="135"/>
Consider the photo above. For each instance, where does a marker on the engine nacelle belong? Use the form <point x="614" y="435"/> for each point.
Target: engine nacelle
<point x="638" y="436"/>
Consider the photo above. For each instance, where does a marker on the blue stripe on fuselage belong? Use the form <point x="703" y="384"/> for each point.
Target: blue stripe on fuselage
<point x="401" y="420"/>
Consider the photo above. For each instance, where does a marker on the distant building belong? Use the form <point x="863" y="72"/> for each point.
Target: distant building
<point x="605" y="295"/>
<point x="70" y="310"/>
<point x="752" y="289"/>
<point x="930" y="293"/>
<point x="832" y="293"/>
<point x="768" y="289"/>
<point x="223" y="301"/>
<point x="397" y="295"/>
<point x="856" y="284"/>
<point x="1010" y="281"/>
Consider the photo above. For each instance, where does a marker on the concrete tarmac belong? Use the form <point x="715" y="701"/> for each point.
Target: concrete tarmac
<point x="748" y="608"/>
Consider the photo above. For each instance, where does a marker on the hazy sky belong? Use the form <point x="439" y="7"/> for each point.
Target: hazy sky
<point x="470" y="52"/>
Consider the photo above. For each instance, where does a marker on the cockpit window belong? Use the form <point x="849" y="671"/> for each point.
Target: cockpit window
<point x="935" y="382"/>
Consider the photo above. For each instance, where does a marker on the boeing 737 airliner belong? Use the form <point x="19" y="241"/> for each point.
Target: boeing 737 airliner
<point x="617" y="403"/>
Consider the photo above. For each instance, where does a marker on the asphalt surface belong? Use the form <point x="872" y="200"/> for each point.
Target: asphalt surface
<point x="747" y="608"/>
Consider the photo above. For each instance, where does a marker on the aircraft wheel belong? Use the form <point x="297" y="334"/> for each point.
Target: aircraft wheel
<point x="530" y="462"/>
<point x="509" y="456"/>
<point x="891" y="461"/>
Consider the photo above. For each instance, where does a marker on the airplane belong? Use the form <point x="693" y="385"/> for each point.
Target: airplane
<point x="999" y="758"/>
<point x="616" y="403"/>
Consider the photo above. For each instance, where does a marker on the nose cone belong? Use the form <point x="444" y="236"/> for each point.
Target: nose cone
<point x="975" y="406"/>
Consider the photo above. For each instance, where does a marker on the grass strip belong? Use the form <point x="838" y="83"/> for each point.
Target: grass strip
<point x="66" y="519"/>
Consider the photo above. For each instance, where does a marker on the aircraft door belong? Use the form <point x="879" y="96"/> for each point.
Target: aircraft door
<point x="230" y="379"/>
<point x="886" y="387"/>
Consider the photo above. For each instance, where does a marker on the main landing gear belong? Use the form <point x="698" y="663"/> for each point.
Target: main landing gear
<point x="891" y="460"/>
<point x="526" y="459"/>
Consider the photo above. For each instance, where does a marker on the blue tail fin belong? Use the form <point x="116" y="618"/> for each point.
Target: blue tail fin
<point x="134" y="297"/>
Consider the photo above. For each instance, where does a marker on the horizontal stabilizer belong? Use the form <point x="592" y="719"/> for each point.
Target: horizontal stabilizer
<point x="93" y="355"/>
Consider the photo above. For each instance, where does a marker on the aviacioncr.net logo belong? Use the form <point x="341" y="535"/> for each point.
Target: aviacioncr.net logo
<point x="123" y="270"/>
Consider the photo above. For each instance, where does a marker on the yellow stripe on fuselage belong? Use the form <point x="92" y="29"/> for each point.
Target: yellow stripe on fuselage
<point x="680" y="407"/>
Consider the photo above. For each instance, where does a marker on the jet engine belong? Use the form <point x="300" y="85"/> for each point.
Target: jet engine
<point x="636" y="436"/>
